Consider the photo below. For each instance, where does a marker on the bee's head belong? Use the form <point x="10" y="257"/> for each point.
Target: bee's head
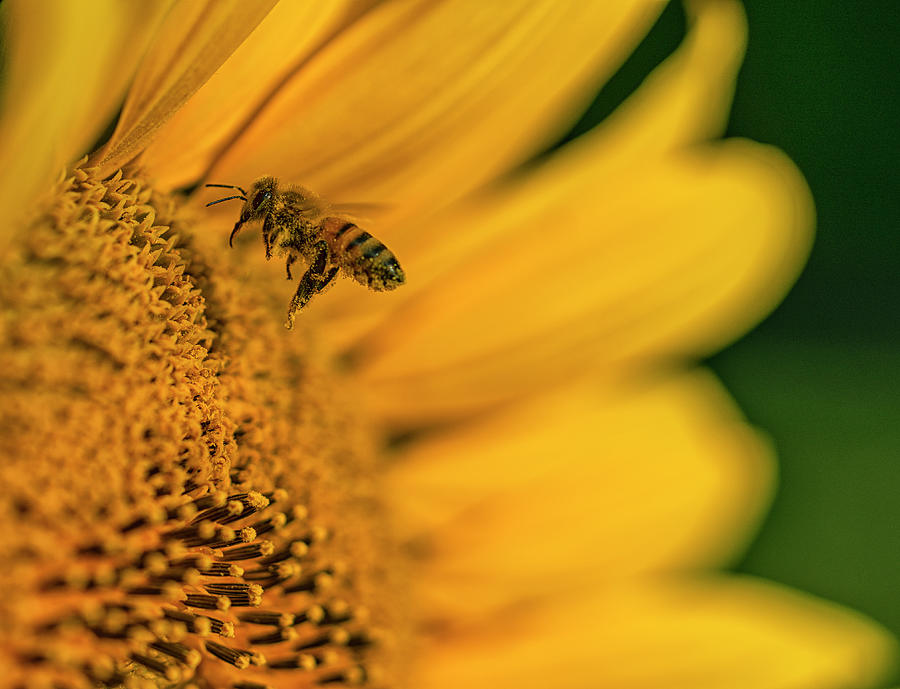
<point x="257" y="204"/>
<point x="259" y="200"/>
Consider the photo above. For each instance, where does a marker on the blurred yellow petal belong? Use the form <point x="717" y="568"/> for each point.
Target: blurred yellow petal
<point x="668" y="259"/>
<point x="196" y="37"/>
<point x="420" y="102"/>
<point x="684" y="100"/>
<point x="587" y="484"/>
<point x="67" y="67"/>
<point x="283" y="42"/>
<point x="709" y="634"/>
<point x="688" y="97"/>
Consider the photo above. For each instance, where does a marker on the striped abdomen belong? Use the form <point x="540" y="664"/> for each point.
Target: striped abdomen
<point x="362" y="256"/>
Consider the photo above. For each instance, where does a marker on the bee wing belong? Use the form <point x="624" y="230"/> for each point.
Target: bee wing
<point x="362" y="212"/>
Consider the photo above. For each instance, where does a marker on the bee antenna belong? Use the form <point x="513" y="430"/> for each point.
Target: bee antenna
<point x="228" y="198"/>
<point x="227" y="186"/>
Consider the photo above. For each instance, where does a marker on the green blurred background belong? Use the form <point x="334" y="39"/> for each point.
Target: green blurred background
<point x="822" y="374"/>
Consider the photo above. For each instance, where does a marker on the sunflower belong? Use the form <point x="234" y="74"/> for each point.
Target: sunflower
<point x="502" y="474"/>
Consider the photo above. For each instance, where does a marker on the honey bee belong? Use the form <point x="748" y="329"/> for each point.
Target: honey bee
<point x="299" y="224"/>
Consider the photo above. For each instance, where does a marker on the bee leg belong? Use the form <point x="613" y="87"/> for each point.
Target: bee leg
<point x="267" y="239"/>
<point x="309" y="284"/>
<point x="306" y="289"/>
<point x="324" y="282"/>
<point x="290" y="259"/>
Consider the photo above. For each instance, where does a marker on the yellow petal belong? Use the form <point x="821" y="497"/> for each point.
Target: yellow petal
<point x="67" y="67"/>
<point x="584" y="485"/>
<point x="685" y="100"/>
<point x="688" y="97"/>
<point x="196" y="37"/>
<point x="281" y="45"/>
<point x="419" y="102"/>
<point x="669" y="259"/>
<point x="736" y="633"/>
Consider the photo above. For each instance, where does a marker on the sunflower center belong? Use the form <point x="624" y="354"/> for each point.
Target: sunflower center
<point x="188" y="493"/>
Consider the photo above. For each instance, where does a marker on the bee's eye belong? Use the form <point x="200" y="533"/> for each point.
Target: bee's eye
<point x="259" y="198"/>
